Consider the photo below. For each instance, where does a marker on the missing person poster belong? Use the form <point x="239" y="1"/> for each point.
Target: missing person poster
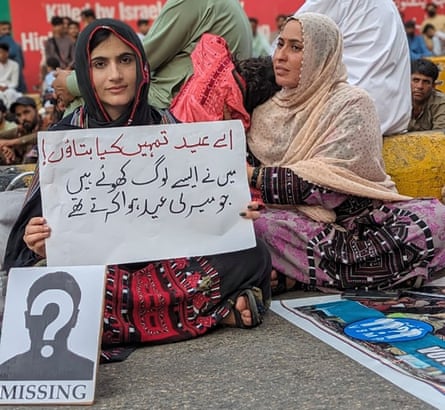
<point x="51" y="333"/>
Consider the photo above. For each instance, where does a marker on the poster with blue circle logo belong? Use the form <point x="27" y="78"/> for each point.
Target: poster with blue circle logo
<point x="388" y="330"/>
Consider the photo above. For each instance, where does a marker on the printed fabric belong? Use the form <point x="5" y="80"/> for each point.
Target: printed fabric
<point x="212" y="87"/>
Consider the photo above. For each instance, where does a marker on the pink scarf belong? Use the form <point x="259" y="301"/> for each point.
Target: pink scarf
<point x="212" y="89"/>
<point x="325" y="130"/>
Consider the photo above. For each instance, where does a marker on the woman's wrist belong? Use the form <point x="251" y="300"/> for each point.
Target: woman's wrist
<point x="256" y="178"/>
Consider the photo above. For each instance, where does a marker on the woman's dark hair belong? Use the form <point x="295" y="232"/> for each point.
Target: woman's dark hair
<point x="426" y="68"/>
<point x="259" y="78"/>
<point x="98" y="37"/>
<point x="139" y="111"/>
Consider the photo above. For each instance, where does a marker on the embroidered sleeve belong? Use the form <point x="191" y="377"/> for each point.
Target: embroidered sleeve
<point x="252" y="160"/>
<point x="281" y="186"/>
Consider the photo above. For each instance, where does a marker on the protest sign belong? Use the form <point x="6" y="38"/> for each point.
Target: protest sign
<point x="130" y="194"/>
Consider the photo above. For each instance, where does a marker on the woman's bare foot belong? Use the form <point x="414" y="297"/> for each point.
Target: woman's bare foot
<point x="277" y="286"/>
<point x="242" y="306"/>
<point x="273" y="279"/>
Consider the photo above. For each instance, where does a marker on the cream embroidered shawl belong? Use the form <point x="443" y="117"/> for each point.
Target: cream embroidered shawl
<point x="325" y="130"/>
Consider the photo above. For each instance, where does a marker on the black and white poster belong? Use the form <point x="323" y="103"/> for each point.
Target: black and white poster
<point x="51" y="331"/>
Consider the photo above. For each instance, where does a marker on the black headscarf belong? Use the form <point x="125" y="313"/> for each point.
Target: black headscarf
<point x="91" y="115"/>
<point x="139" y="112"/>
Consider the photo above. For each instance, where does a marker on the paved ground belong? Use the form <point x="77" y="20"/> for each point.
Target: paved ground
<point x="275" y="366"/>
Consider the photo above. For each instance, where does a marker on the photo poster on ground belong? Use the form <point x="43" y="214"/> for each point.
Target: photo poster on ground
<point x="401" y="337"/>
<point x="51" y="335"/>
<point x="140" y="193"/>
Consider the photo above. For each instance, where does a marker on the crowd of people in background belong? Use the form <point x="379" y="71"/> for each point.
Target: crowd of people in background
<point x="19" y="104"/>
<point x="58" y="54"/>
<point x="370" y="70"/>
<point x="426" y="42"/>
<point x="428" y="38"/>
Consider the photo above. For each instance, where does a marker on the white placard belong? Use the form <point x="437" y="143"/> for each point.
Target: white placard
<point x="131" y="194"/>
<point x="51" y="333"/>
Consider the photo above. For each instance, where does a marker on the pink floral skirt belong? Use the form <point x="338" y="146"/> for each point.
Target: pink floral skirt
<point x="384" y="246"/>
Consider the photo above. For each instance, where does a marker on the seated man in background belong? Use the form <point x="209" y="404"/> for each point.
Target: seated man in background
<point x="23" y="148"/>
<point x="434" y="18"/>
<point x="15" y="51"/>
<point x="143" y="28"/>
<point x="416" y="43"/>
<point x="428" y="103"/>
<point x="433" y="39"/>
<point x="9" y="76"/>
<point x="260" y="44"/>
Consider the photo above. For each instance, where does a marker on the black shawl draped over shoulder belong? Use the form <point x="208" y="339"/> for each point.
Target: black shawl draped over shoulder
<point x="90" y="115"/>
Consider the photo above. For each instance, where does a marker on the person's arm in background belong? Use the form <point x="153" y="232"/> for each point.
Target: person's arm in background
<point x="171" y="32"/>
<point x="72" y="56"/>
<point x="13" y="142"/>
<point x="425" y="51"/>
<point x="8" y="134"/>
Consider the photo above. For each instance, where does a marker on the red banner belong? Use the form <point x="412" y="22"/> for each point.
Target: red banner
<point x="415" y="9"/>
<point x="31" y="25"/>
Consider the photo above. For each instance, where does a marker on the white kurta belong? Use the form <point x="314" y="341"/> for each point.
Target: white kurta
<point x="375" y="53"/>
<point x="9" y="74"/>
<point x="9" y="77"/>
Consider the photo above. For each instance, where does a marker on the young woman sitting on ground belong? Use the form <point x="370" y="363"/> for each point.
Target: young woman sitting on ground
<point x="231" y="289"/>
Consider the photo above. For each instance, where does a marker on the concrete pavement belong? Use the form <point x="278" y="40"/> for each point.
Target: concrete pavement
<point x="275" y="366"/>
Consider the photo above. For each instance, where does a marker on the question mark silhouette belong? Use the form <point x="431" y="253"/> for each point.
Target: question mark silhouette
<point x="66" y="305"/>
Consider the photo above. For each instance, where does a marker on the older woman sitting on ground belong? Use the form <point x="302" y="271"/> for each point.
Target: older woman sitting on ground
<point x="333" y="217"/>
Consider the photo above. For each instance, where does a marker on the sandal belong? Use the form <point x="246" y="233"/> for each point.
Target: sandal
<point x="255" y="305"/>
<point x="282" y="285"/>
